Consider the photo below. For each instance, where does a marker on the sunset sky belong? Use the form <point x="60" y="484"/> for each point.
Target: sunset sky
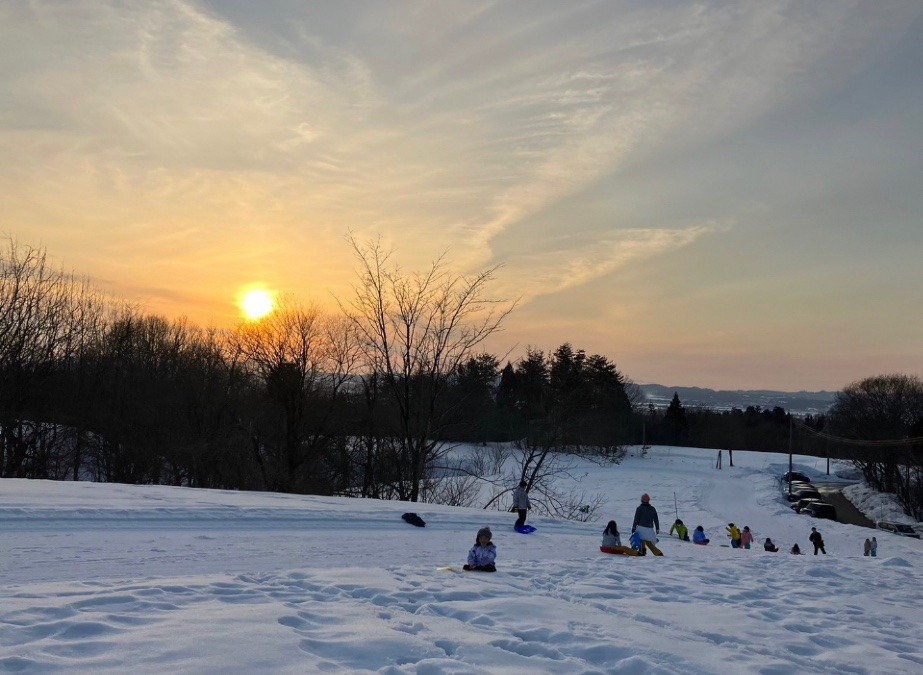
<point x="713" y="194"/>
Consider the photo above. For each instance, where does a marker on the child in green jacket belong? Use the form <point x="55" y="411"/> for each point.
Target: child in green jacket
<point x="681" y="530"/>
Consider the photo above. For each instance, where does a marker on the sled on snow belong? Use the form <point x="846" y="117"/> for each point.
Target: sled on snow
<point x="524" y="529"/>
<point x="639" y="544"/>
<point x="414" y="519"/>
<point x="619" y="550"/>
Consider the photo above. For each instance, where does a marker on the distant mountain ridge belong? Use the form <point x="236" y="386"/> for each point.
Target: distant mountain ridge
<point x="797" y="402"/>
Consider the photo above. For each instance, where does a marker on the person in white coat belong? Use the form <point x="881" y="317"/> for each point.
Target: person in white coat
<point x="521" y="503"/>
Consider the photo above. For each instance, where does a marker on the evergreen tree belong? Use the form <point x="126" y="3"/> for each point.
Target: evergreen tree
<point x="675" y="419"/>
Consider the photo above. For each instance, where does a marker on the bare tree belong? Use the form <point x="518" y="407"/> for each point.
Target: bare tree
<point x="887" y="412"/>
<point x="543" y="469"/>
<point x="303" y="358"/>
<point x="415" y="330"/>
<point x="44" y="318"/>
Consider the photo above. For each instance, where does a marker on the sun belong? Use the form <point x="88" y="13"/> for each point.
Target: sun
<point x="256" y="304"/>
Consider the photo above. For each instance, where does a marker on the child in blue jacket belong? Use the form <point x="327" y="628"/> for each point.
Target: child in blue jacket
<point x="483" y="554"/>
<point x="698" y="536"/>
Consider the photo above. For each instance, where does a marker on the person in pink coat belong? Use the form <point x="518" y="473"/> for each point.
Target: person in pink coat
<point x="746" y="537"/>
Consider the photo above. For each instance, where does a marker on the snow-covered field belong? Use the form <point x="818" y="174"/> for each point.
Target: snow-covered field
<point x="116" y="578"/>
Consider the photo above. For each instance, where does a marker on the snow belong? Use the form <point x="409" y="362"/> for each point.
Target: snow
<point x="108" y="578"/>
<point x="877" y="505"/>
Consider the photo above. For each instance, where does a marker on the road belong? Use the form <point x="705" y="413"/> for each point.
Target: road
<point x="845" y="511"/>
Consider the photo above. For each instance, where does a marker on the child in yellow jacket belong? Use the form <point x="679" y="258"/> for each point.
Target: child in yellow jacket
<point x="734" y="534"/>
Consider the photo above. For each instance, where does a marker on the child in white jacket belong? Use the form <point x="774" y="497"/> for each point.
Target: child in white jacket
<point x="483" y="554"/>
<point x="611" y="538"/>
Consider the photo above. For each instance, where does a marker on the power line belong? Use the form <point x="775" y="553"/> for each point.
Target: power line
<point x="855" y="441"/>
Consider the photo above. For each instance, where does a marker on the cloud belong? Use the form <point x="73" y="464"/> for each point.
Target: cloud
<point x="169" y="141"/>
<point x="571" y="261"/>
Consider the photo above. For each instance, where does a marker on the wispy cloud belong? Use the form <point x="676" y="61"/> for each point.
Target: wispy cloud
<point x="176" y="143"/>
<point x="570" y="261"/>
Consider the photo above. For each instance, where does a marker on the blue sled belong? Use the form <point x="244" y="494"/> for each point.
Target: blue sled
<point x="524" y="529"/>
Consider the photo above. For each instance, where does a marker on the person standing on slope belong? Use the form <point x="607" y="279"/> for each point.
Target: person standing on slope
<point x="874" y="550"/>
<point x="521" y="503"/>
<point x="734" y="534"/>
<point x="646" y="523"/>
<point x="746" y="537"/>
<point x="818" y="541"/>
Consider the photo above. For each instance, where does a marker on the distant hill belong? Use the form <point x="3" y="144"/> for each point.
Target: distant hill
<point x="797" y="403"/>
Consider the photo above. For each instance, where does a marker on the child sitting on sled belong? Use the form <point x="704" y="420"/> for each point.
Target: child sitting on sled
<point x="611" y="538"/>
<point x="698" y="537"/>
<point x="612" y="541"/>
<point x="483" y="554"/>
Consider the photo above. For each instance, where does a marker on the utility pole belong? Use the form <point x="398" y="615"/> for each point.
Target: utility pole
<point x="790" y="433"/>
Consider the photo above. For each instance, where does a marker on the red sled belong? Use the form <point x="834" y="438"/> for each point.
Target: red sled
<point x="618" y="550"/>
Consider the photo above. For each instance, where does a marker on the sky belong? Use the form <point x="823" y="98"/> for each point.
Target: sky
<point x="109" y="578"/>
<point x="712" y="194"/>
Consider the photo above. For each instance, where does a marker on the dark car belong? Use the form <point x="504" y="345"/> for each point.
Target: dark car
<point x="790" y="488"/>
<point x="797" y="485"/>
<point x="898" y="528"/>
<point x="821" y="510"/>
<point x="794" y="476"/>
<point x="801" y="503"/>
<point x="803" y="494"/>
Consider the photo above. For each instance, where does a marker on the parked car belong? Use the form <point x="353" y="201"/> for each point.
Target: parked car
<point x="801" y="503"/>
<point x="793" y="476"/>
<point x="797" y="485"/>
<point x="821" y="510"/>
<point x="898" y="528"/>
<point x="803" y="494"/>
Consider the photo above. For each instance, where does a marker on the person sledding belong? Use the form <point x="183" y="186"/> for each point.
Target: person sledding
<point x="521" y="503"/>
<point x="483" y="554"/>
<point x="769" y="547"/>
<point x="646" y="525"/>
<point x="698" y="536"/>
<point x="681" y="530"/>
<point x="612" y="541"/>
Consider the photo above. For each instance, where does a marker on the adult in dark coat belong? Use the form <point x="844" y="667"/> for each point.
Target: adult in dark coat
<point x="817" y="540"/>
<point x="646" y="523"/>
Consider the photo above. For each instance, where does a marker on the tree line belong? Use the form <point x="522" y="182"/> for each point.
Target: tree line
<point x="875" y="423"/>
<point x="366" y="401"/>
